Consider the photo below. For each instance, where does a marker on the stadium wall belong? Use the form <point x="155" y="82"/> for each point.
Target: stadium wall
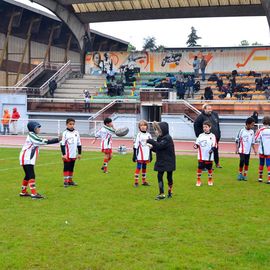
<point x="219" y="59"/>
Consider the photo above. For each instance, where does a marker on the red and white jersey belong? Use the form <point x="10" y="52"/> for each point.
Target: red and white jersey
<point x="245" y="139"/>
<point x="30" y="149"/>
<point x="105" y="133"/>
<point x="71" y="140"/>
<point x="142" y="149"/>
<point x="205" y="143"/>
<point x="263" y="137"/>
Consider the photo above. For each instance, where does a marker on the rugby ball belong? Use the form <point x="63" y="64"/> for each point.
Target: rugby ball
<point x="120" y="132"/>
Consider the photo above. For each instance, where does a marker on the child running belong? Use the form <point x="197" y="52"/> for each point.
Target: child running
<point x="105" y="133"/>
<point x="141" y="153"/>
<point x="244" y="141"/>
<point x="28" y="156"/>
<point x="263" y="137"/>
<point x="205" y="143"/>
<point x="165" y="157"/>
<point x="70" y="144"/>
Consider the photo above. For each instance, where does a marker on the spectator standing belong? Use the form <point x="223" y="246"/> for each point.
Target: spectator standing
<point x="14" y="120"/>
<point x="180" y="88"/>
<point x="208" y="115"/>
<point x="6" y="121"/>
<point x="196" y="66"/>
<point x="52" y="87"/>
<point x="86" y="100"/>
<point x="190" y="86"/>
<point x="203" y="65"/>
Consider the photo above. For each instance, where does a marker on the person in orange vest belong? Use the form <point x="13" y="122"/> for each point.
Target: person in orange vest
<point x="5" y="121"/>
<point x="14" y="119"/>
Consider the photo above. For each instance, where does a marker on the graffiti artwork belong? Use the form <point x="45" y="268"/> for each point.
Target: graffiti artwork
<point x="218" y="59"/>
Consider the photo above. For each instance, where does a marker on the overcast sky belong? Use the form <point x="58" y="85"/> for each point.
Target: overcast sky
<point x="214" y="32"/>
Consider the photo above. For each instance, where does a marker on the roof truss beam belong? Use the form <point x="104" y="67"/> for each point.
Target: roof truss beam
<point x="166" y="13"/>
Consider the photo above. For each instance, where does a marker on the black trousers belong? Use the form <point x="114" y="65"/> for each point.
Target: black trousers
<point x="29" y="172"/>
<point x="160" y="180"/>
<point x="69" y="166"/>
<point x="244" y="160"/>
<point x="216" y="155"/>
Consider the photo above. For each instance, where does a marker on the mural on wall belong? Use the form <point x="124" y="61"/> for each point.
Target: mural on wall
<point x="225" y="59"/>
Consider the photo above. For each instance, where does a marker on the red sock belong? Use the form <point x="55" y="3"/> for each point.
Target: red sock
<point x="245" y="170"/>
<point x="24" y="186"/>
<point x="199" y="174"/>
<point x="136" y="175"/>
<point x="268" y="170"/>
<point x="143" y="175"/>
<point x="32" y="185"/>
<point x="66" y="177"/>
<point x="70" y="180"/>
<point x="105" y="164"/>
<point x="260" y="171"/>
<point x="210" y="175"/>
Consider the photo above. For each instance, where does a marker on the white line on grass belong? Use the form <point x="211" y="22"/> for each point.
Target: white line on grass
<point x="46" y="164"/>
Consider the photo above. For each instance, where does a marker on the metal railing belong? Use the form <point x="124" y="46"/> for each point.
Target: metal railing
<point x="31" y="75"/>
<point x="61" y="72"/>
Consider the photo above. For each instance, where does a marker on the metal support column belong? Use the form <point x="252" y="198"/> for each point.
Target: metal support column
<point x="50" y="42"/>
<point x="29" y="32"/>
<point x="13" y="15"/>
<point x="67" y="48"/>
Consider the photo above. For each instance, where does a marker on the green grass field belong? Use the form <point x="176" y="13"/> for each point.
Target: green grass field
<point x="105" y="223"/>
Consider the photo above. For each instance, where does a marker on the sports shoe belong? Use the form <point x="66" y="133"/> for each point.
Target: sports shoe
<point x="136" y="185"/>
<point x="146" y="184"/>
<point x="260" y="180"/>
<point x="37" y="196"/>
<point x="240" y="177"/>
<point x="198" y="184"/>
<point x="169" y="196"/>
<point x="268" y="182"/>
<point x="244" y="178"/>
<point x="218" y="166"/>
<point x="210" y="183"/>
<point x="102" y="168"/>
<point x="160" y="197"/>
<point x="25" y="194"/>
<point x="72" y="183"/>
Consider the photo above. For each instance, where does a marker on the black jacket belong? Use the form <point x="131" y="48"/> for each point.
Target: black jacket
<point x="164" y="148"/>
<point x="213" y="118"/>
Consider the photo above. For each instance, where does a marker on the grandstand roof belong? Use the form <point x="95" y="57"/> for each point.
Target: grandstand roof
<point x="41" y="31"/>
<point x="119" y="10"/>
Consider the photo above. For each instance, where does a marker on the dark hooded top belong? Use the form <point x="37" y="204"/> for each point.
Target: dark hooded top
<point x="164" y="149"/>
<point x="213" y="118"/>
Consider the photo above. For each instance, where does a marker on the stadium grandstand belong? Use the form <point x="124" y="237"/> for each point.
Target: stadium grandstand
<point x="51" y="68"/>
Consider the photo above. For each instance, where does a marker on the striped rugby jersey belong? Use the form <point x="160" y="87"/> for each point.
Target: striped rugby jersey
<point x="105" y="133"/>
<point x="30" y="149"/>
<point x="71" y="140"/>
<point x="245" y="139"/>
<point x="205" y="143"/>
<point x="142" y="150"/>
<point x="263" y="137"/>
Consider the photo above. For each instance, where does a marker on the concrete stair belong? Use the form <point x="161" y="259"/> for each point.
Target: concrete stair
<point x="73" y="88"/>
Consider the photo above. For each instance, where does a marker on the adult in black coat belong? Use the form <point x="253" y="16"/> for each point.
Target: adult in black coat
<point x="208" y="115"/>
<point x="165" y="156"/>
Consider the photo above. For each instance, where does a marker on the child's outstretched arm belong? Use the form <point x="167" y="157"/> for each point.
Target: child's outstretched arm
<point x="158" y="145"/>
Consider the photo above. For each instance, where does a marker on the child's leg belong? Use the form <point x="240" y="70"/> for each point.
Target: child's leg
<point x="199" y="172"/>
<point x="246" y="162"/>
<point x="137" y="172"/>
<point x="268" y="169"/>
<point x="105" y="162"/>
<point x="209" y="166"/>
<point x="170" y="183"/>
<point x="29" y="169"/>
<point x="66" y="173"/>
<point x="160" y="182"/>
<point x="144" y="166"/>
<point x="25" y="181"/>
<point x="241" y="164"/>
<point x="261" y="165"/>
<point x="71" y="169"/>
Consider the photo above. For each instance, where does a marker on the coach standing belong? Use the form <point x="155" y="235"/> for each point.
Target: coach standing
<point x="208" y="115"/>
